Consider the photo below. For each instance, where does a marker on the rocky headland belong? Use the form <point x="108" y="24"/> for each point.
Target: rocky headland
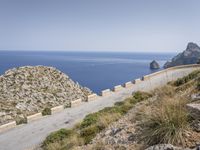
<point x="30" y="89"/>
<point x="190" y="56"/>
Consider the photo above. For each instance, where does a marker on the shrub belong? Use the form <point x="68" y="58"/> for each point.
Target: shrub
<point x="21" y="120"/>
<point x="198" y="83"/>
<point x="105" y="120"/>
<point x="166" y="124"/>
<point x="46" y="111"/>
<point x="89" y="133"/>
<point x="58" y="136"/>
<point x="89" y="120"/>
<point x="140" y="96"/>
<point x="119" y="103"/>
<point x="62" y="139"/>
<point x="187" y="78"/>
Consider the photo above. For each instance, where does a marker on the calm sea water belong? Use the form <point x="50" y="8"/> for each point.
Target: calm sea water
<point x="94" y="70"/>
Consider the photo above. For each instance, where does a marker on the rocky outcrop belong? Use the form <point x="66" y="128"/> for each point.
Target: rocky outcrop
<point x="27" y="90"/>
<point x="154" y="65"/>
<point x="190" y="56"/>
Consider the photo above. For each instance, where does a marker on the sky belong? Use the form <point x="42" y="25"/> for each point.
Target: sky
<point x="99" y="25"/>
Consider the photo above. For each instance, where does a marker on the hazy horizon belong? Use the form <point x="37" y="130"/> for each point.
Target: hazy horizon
<point x="99" y="26"/>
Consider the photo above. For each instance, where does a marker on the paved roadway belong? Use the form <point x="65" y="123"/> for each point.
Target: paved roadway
<point x="26" y="137"/>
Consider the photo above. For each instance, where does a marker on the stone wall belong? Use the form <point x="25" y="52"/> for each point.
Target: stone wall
<point x="106" y="92"/>
<point x="57" y="109"/>
<point x="7" y="126"/>
<point x="34" y="117"/>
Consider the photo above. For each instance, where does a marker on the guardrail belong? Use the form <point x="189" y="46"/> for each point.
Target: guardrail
<point x="106" y="92"/>
<point x="147" y="82"/>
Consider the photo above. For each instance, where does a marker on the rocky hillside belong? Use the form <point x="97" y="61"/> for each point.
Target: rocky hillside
<point x="30" y="89"/>
<point x="190" y="56"/>
<point x="167" y="121"/>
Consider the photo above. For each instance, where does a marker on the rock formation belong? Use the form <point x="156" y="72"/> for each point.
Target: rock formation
<point x="154" y="65"/>
<point x="190" y="56"/>
<point x="27" y="90"/>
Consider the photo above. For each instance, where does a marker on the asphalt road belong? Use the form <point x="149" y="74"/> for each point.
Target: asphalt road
<point x="26" y="137"/>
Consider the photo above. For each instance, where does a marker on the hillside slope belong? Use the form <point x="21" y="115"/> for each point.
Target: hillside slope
<point x="30" y="89"/>
<point x="161" y="122"/>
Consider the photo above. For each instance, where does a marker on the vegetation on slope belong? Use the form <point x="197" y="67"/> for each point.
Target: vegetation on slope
<point x="169" y="121"/>
<point x="163" y="121"/>
<point x="92" y="124"/>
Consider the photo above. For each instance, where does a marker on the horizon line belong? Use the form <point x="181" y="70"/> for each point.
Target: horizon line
<point x="98" y="51"/>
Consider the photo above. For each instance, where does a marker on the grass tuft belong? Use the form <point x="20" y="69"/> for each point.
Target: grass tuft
<point x="167" y="123"/>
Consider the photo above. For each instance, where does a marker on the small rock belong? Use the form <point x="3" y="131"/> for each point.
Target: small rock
<point x="131" y="137"/>
<point x="115" y="131"/>
<point x="194" y="110"/>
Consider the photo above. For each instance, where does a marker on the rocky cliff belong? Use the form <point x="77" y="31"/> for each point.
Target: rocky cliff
<point x="30" y="89"/>
<point x="190" y="56"/>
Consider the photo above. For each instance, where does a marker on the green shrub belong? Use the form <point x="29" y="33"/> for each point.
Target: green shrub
<point x="119" y="103"/>
<point x="89" y="133"/>
<point x="46" y="111"/>
<point x="187" y="78"/>
<point x="140" y="96"/>
<point x="58" y="136"/>
<point x="21" y="120"/>
<point x="112" y="110"/>
<point x="89" y="120"/>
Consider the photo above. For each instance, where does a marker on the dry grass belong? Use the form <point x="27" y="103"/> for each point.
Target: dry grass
<point x="166" y="123"/>
<point x="65" y="144"/>
<point x="98" y="146"/>
<point x="104" y="121"/>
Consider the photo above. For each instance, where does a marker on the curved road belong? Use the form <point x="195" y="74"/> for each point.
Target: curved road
<point x="26" y="137"/>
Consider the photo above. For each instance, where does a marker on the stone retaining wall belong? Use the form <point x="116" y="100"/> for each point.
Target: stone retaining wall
<point x="117" y="88"/>
<point x="106" y="92"/>
<point x="7" y="126"/>
<point x="34" y="117"/>
<point x="57" y="109"/>
<point x="92" y="97"/>
<point x="76" y="102"/>
<point x="128" y="84"/>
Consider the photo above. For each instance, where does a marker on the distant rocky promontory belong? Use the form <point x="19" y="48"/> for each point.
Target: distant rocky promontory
<point x="30" y="89"/>
<point x="190" y="56"/>
<point x="154" y="65"/>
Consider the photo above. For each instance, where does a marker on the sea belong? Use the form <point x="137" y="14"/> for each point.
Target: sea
<point x="95" y="70"/>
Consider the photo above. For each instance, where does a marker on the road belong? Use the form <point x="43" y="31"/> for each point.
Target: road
<point x="26" y="137"/>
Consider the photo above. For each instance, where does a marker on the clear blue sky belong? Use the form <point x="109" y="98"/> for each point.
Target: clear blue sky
<point x="99" y="25"/>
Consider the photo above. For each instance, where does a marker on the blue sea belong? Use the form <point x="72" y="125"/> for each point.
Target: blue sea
<point x="95" y="70"/>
